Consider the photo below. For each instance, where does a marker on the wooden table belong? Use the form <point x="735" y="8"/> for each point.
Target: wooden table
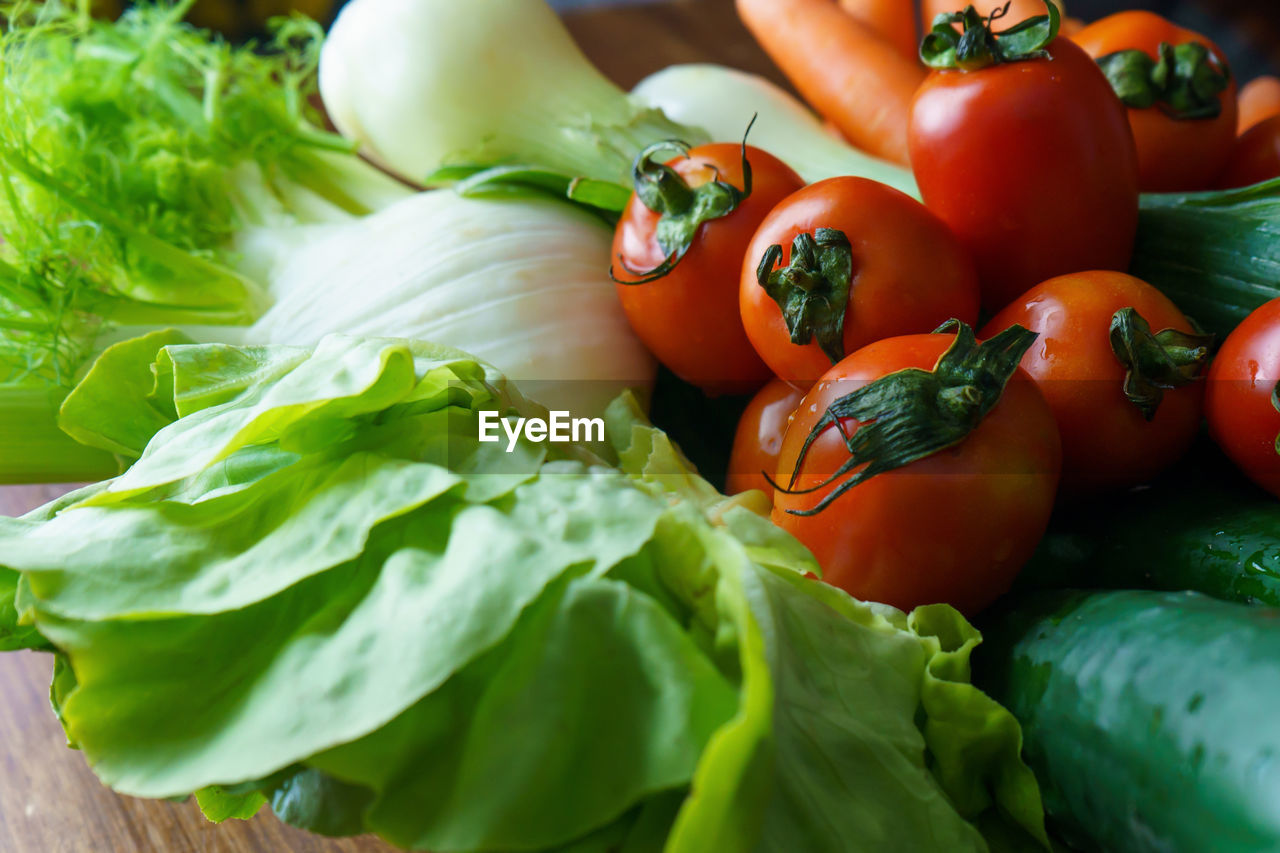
<point x="50" y="802"/>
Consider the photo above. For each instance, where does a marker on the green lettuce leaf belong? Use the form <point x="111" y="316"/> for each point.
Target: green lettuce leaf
<point x="317" y="588"/>
<point x="119" y="405"/>
<point x="14" y="636"/>
<point x="219" y="805"/>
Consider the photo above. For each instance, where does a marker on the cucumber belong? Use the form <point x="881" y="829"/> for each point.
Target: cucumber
<point x="1149" y="718"/>
<point x="1203" y="527"/>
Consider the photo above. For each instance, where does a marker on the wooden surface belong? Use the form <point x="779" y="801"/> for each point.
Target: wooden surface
<point x="50" y="802"/>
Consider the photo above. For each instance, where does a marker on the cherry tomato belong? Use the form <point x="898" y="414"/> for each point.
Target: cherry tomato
<point x="1176" y="151"/>
<point x="1107" y="440"/>
<point x="1032" y="164"/>
<point x="954" y="526"/>
<point x="759" y="437"/>
<point x="900" y="271"/>
<point x="1239" y="400"/>
<point x="1256" y="157"/>
<point x="689" y="317"/>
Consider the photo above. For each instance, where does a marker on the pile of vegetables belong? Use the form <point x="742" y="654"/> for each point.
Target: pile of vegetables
<point x="973" y="353"/>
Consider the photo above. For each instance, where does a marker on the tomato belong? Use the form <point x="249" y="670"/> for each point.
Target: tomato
<point x="1032" y="164"/>
<point x="759" y="437"/>
<point x="1239" y="400"/>
<point x="689" y="317"/>
<point x="1174" y="153"/>
<point x="1256" y="157"/>
<point x="1107" y="440"/>
<point x="901" y="271"/>
<point x="954" y="526"/>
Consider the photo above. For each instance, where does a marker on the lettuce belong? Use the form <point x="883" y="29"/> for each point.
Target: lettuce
<point x="315" y="588"/>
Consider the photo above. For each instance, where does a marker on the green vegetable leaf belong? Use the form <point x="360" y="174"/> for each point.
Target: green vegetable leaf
<point x="486" y="764"/>
<point x="119" y="406"/>
<point x="218" y="805"/>
<point x="15" y="636"/>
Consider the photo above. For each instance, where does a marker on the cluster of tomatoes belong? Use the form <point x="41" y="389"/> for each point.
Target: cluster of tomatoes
<point x="922" y="466"/>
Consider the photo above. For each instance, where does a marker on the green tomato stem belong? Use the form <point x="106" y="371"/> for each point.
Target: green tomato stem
<point x="977" y="44"/>
<point x="1155" y="363"/>
<point x="813" y="290"/>
<point x="1184" y="82"/>
<point x="911" y="414"/>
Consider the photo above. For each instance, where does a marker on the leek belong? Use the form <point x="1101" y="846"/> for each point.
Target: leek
<point x="1215" y="254"/>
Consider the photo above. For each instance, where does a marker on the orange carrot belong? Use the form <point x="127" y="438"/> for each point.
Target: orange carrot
<point x="1070" y="26"/>
<point x="1019" y="10"/>
<point x="844" y="69"/>
<point x="892" y="20"/>
<point x="1259" y="100"/>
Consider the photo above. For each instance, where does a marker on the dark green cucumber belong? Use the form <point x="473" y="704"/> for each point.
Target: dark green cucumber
<point x="1202" y="528"/>
<point x="1151" y="719"/>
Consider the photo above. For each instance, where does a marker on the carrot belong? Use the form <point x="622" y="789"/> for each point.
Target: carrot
<point x="842" y="67"/>
<point x="1070" y="26"/>
<point x="1259" y="100"/>
<point x="1019" y="10"/>
<point x="893" y="20"/>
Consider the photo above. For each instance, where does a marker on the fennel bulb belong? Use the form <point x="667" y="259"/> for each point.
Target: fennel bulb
<point x="723" y="100"/>
<point x="522" y="284"/>
<point x="425" y="84"/>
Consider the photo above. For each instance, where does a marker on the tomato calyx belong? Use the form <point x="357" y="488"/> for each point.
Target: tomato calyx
<point x="1275" y="402"/>
<point x="910" y="414"/>
<point x="977" y="44"/>
<point x="813" y="290"/>
<point x="1155" y="362"/>
<point x="1184" y="83"/>
<point x="683" y="208"/>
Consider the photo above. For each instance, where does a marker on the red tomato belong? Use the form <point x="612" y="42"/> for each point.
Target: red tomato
<point x="1032" y="164"/>
<point x="1107" y="442"/>
<point x="1174" y="154"/>
<point x="1242" y="415"/>
<point x="689" y="318"/>
<point x="759" y="437"/>
<point x="955" y="526"/>
<point x="1256" y="157"/>
<point x="906" y="273"/>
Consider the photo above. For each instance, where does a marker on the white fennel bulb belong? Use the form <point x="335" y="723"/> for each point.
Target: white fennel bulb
<point x="423" y="84"/>
<point x="522" y="284"/>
